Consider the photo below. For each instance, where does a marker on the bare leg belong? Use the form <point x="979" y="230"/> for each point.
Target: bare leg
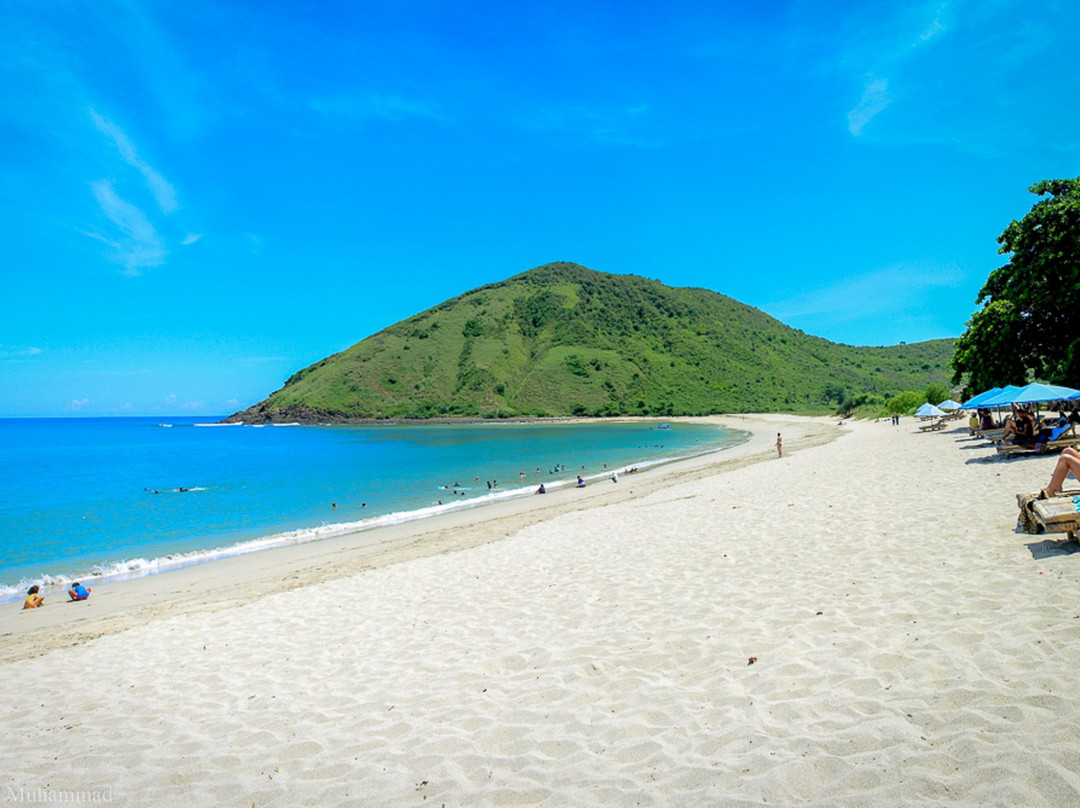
<point x="1010" y="430"/>
<point x="1068" y="462"/>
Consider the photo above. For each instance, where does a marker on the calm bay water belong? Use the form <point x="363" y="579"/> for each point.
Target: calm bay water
<point x="123" y="496"/>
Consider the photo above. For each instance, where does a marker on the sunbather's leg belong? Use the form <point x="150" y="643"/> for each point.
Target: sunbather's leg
<point x="1068" y="462"/>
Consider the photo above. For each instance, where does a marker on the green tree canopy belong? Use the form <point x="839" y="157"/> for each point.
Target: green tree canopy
<point x="936" y="392"/>
<point x="905" y="402"/>
<point x="1029" y="326"/>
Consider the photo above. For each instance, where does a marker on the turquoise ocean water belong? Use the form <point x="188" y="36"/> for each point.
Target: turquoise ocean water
<point x="116" y="497"/>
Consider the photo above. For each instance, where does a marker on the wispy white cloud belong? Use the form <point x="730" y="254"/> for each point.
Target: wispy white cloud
<point x="18" y="351"/>
<point x="884" y="50"/>
<point x="875" y="99"/>
<point x="387" y="107"/>
<point x="937" y="26"/>
<point x="191" y="238"/>
<point x="162" y="190"/>
<point x="78" y="403"/>
<point x="140" y="245"/>
<point x="881" y="292"/>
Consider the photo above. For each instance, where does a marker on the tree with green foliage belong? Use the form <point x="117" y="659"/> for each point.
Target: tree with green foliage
<point x="904" y="403"/>
<point x="1029" y="326"/>
<point x="936" y="392"/>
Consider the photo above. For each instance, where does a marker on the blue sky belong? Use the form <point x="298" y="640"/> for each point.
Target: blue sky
<point x="200" y="198"/>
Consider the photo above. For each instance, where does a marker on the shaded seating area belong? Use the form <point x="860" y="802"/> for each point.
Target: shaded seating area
<point x="932" y="417"/>
<point x="1025" y="431"/>
<point x="1048" y="440"/>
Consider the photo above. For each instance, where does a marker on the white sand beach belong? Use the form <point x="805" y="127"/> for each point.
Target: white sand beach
<point x="854" y="624"/>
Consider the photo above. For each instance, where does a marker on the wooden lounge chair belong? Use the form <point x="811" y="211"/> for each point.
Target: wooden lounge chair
<point x="1055" y="515"/>
<point x="933" y="425"/>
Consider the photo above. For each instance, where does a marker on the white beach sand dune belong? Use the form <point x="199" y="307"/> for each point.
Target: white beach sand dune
<point x="855" y="624"/>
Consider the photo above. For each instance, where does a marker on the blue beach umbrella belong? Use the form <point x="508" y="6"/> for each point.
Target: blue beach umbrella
<point x="949" y="404"/>
<point x="928" y="410"/>
<point x="1037" y="392"/>
<point x="977" y="401"/>
<point x="1003" y="398"/>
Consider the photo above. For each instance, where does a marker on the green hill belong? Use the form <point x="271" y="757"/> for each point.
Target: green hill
<point x="565" y="340"/>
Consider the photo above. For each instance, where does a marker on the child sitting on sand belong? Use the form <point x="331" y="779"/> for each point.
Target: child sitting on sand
<point x="33" y="599"/>
<point x="78" y="592"/>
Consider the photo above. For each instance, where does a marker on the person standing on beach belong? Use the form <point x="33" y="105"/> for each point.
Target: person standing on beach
<point x="779" y="445"/>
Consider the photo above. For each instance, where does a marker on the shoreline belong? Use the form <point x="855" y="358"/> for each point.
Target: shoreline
<point x="217" y="582"/>
<point x="857" y="623"/>
<point x="104" y="570"/>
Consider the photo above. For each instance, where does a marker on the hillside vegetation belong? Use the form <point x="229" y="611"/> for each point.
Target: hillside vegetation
<point x="565" y="340"/>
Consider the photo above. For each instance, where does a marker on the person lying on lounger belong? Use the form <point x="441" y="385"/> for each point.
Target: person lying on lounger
<point x="1068" y="463"/>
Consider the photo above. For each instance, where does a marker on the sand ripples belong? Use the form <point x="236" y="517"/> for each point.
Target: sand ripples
<point x="704" y="645"/>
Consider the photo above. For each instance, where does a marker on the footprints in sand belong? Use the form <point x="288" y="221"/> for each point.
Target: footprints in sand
<point x="601" y="659"/>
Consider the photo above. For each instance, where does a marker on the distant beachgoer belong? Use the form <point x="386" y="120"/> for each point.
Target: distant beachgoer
<point x="779" y="445"/>
<point x="363" y="504"/>
<point x="489" y="485"/>
<point x="614" y="476"/>
<point x="33" y="599"/>
<point x="78" y="591"/>
<point x="580" y="482"/>
<point x="333" y="506"/>
<point x="541" y="489"/>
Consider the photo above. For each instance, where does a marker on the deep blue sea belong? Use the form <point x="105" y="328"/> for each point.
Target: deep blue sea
<point x="117" y="497"/>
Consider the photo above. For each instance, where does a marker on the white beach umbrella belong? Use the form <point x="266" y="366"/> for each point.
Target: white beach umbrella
<point x="928" y="410"/>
